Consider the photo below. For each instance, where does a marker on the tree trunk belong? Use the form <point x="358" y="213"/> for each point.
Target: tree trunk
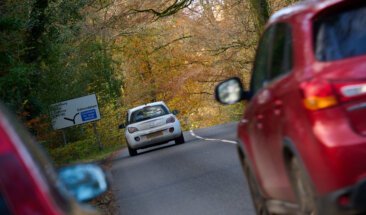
<point x="37" y="23"/>
<point x="260" y="10"/>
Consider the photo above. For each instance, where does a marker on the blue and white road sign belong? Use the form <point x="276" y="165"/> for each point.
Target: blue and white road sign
<point x="74" y="112"/>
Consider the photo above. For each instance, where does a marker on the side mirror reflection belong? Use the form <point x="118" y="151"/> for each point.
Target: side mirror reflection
<point x="175" y="112"/>
<point x="84" y="181"/>
<point x="230" y="91"/>
<point x="121" y="126"/>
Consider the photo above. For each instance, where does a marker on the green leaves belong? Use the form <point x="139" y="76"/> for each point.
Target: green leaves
<point x="123" y="51"/>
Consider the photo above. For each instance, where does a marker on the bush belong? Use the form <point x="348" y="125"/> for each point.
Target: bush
<point x="80" y="150"/>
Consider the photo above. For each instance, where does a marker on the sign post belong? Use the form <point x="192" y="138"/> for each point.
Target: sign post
<point x="82" y="130"/>
<point x="64" y="136"/>
<point x="75" y="112"/>
<point x="97" y="135"/>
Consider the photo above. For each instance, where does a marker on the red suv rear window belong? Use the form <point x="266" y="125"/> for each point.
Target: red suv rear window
<point x="340" y="34"/>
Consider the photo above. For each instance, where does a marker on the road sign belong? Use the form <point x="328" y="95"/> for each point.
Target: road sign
<point x="75" y="112"/>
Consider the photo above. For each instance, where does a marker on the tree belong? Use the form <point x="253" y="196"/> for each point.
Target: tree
<point x="261" y="13"/>
<point x="128" y="53"/>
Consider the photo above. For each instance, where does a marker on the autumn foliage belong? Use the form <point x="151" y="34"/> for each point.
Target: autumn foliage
<point x="128" y="53"/>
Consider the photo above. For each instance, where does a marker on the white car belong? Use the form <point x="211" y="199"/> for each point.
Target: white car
<point x="149" y="125"/>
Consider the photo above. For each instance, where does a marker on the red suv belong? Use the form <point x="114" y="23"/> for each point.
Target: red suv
<point x="302" y="138"/>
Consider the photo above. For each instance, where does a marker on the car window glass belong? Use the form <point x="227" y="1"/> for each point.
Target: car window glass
<point x="281" y="51"/>
<point x="340" y="35"/>
<point x="261" y="62"/>
<point x="148" y="112"/>
<point x="4" y="210"/>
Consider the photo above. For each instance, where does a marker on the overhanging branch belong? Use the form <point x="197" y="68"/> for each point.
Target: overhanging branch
<point x="201" y="93"/>
<point x="172" y="9"/>
<point x="167" y="44"/>
<point x="237" y="44"/>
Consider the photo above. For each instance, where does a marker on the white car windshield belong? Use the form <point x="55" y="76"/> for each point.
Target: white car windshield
<point x="148" y="112"/>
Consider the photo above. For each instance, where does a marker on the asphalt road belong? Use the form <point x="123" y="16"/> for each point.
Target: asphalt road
<point x="202" y="176"/>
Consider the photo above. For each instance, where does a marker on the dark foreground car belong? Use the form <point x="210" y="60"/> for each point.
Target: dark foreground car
<point x="302" y="138"/>
<point x="29" y="184"/>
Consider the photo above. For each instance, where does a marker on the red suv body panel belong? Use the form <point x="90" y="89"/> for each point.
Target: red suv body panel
<point x="20" y="184"/>
<point x="330" y="142"/>
<point x="29" y="183"/>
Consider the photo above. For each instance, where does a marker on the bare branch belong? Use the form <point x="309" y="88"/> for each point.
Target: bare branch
<point x="201" y="93"/>
<point x="172" y="9"/>
<point x="236" y="44"/>
<point x="167" y="44"/>
<point x="213" y="81"/>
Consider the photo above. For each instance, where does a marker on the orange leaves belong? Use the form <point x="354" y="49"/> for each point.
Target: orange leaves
<point x="40" y="126"/>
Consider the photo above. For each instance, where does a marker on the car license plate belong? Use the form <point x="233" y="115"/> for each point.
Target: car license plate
<point x="152" y="135"/>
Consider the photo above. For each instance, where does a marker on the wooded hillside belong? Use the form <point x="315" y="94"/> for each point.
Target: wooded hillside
<point x="127" y="52"/>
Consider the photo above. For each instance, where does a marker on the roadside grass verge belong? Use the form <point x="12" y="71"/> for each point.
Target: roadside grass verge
<point x="82" y="151"/>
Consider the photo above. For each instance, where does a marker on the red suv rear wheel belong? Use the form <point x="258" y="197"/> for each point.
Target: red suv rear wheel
<point x="303" y="189"/>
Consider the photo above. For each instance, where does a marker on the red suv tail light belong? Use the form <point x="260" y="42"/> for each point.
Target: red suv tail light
<point x="318" y="94"/>
<point x="351" y="90"/>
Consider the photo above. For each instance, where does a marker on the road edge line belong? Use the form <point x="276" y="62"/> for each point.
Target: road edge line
<point x="209" y="139"/>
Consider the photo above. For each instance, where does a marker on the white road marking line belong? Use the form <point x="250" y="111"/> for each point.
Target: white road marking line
<point x="208" y="139"/>
<point x="229" y="141"/>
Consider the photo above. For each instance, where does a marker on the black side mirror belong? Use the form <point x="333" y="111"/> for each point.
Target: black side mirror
<point x="231" y="91"/>
<point x="175" y="112"/>
<point x="121" y="126"/>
